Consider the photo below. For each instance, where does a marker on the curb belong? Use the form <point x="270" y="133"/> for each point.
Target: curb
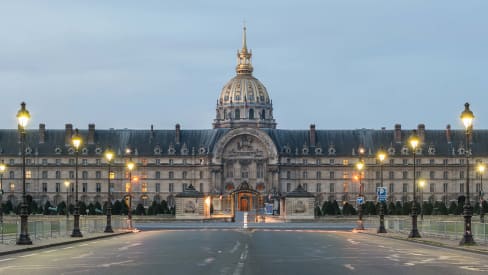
<point x="31" y="248"/>
<point x="430" y="243"/>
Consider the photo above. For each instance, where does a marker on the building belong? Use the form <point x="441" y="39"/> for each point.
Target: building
<point x="244" y="159"/>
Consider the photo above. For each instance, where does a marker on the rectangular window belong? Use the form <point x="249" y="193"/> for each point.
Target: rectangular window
<point x="184" y="162"/>
<point x="158" y="161"/>
<point x="461" y="174"/>
<point x="305" y="186"/>
<point x="331" y="175"/>
<point x="418" y="173"/>
<point x="405" y="175"/>
<point x="11" y="175"/>
<point x="288" y="187"/>
<point x="432" y="161"/>
<point x="444" y="187"/>
<point x="171" y="162"/>
<point x="185" y="174"/>
<point x="332" y="188"/>
<point x="378" y="175"/>
<point x="392" y="161"/>
<point x="478" y="188"/>
<point x="71" y="174"/>
<point x="28" y="174"/>
<point x="304" y="175"/>
<point x="432" y="175"/>
<point x="144" y="187"/>
<point x="85" y="162"/>
<point x="44" y="187"/>
<point x="417" y="161"/>
<point x="461" y="188"/>
<point x="127" y="187"/>
<point x="305" y="161"/>
<point x="461" y="161"/>
<point x="201" y="187"/>
<point x="98" y="174"/>
<point x="28" y="161"/>
<point x="405" y="187"/>
<point x="392" y="188"/>
<point x="201" y="174"/>
<point x="112" y="175"/>
<point x="171" y="175"/>
<point x="432" y="188"/>
<point x="158" y="187"/>
<point x="405" y="161"/>
<point x="317" y="162"/>
<point x="345" y="175"/>
<point x="85" y="187"/>
<point x="318" y="175"/>
<point x="84" y="175"/>
<point x="171" y="187"/>
<point x="184" y="186"/>
<point x="98" y="162"/>
<point x="345" y="162"/>
<point x="98" y="187"/>
<point x="445" y="161"/>
<point x="71" y="161"/>
<point x="157" y="175"/>
<point x="58" y="187"/>
<point x="44" y="161"/>
<point x="318" y="188"/>
<point x="58" y="162"/>
<point x="12" y="187"/>
<point x="331" y="161"/>
<point x="44" y="174"/>
<point x="288" y="175"/>
<point x="391" y="175"/>
<point x="445" y="175"/>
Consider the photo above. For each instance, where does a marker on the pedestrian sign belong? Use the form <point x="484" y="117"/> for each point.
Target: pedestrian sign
<point x="360" y="200"/>
<point x="382" y="193"/>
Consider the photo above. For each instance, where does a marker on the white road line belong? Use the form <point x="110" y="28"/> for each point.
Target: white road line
<point x="235" y="247"/>
<point x="49" y="251"/>
<point x="85" y="244"/>
<point x="28" y="255"/>
<point x="8" y="259"/>
<point x="69" y="247"/>
<point x="240" y="264"/>
<point x="349" y="266"/>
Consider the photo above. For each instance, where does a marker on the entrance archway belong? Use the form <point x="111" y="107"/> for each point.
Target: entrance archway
<point x="244" y="203"/>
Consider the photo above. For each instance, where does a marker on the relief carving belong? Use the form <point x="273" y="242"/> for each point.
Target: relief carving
<point x="300" y="207"/>
<point x="190" y="207"/>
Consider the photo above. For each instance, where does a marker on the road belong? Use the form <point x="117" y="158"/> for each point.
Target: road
<point x="231" y="251"/>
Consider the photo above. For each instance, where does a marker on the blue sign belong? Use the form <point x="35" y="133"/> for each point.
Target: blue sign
<point x="382" y="193"/>
<point x="360" y="200"/>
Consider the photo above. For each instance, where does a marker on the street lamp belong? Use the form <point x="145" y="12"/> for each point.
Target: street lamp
<point x="66" y="184"/>
<point x="23" y="117"/>
<point x="360" y="166"/>
<point x="381" y="157"/>
<point x="130" y="167"/>
<point x="3" y="167"/>
<point x="422" y="184"/>
<point x="481" y="170"/>
<point x="414" y="142"/>
<point x="467" y="118"/>
<point x="76" y="140"/>
<point x="109" y="155"/>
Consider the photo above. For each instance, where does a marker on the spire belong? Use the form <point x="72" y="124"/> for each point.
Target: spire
<point x="244" y="65"/>
<point x="244" y="44"/>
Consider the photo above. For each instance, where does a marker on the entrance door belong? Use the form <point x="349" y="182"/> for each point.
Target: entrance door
<point x="244" y="204"/>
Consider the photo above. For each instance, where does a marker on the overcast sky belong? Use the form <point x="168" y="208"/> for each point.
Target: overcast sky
<point x="339" y="64"/>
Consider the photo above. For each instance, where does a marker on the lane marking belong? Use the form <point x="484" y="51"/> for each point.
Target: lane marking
<point x="28" y="255"/>
<point x="235" y="247"/>
<point x="69" y="247"/>
<point x="49" y="251"/>
<point x="240" y="264"/>
<point x="349" y="266"/>
<point x="85" y="244"/>
<point x="8" y="259"/>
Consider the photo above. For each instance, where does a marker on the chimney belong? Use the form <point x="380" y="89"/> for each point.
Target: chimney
<point x="151" y="136"/>
<point x="312" y="135"/>
<point x="68" y="133"/>
<point x="177" y="134"/>
<point x="448" y="133"/>
<point x="398" y="133"/>
<point x="91" y="134"/>
<point x="421" y="130"/>
<point x="42" y="133"/>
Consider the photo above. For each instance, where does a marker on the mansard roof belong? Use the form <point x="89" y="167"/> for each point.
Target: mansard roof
<point x="288" y="142"/>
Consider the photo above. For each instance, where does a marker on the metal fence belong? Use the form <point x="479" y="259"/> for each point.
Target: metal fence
<point x="449" y="229"/>
<point x="46" y="228"/>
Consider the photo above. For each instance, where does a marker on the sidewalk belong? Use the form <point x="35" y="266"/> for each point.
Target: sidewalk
<point x="429" y="240"/>
<point x="6" y="249"/>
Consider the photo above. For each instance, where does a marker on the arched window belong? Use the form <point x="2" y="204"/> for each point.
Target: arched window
<point x="263" y="114"/>
<point x="251" y="113"/>
<point x="237" y="114"/>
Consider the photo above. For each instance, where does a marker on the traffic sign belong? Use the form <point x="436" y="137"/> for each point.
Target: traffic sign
<point x="360" y="200"/>
<point x="382" y="193"/>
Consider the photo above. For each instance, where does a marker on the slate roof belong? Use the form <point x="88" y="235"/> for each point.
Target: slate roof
<point x="202" y="142"/>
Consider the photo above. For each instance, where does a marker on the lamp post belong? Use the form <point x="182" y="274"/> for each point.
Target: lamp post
<point x="360" y="167"/>
<point x="3" y="167"/>
<point x="23" y="117"/>
<point x="414" y="142"/>
<point x="76" y="140"/>
<point x="381" y="157"/>
<point x="421" y="184"/>
<point x="467" y="118"/>
<point x="130" y="167"/>
<point x="66" y="184"/>
<point x="109" y="155"/>
<point x="481" y="170"/>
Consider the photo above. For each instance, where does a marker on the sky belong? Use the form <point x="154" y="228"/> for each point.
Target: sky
<point x="344" y="64"/>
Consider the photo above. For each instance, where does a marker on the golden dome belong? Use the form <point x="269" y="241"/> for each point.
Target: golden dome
<point x="244" y="89"/>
